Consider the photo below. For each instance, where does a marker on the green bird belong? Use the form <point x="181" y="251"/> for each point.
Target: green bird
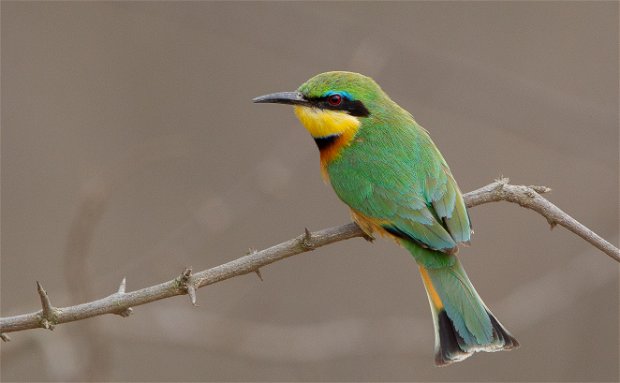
<point x="386" y="168"/>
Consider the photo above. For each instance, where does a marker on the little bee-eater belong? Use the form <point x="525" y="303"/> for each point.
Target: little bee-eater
<point x="387" y="169"/>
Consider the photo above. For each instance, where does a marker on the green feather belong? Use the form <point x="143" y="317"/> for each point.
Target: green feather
<point x="392" y="171"/>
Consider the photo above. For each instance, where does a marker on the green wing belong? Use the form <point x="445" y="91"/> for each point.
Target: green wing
<point x="397" y="175"/>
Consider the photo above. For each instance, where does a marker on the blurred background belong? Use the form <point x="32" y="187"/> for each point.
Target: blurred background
<point x="130" y="148"/>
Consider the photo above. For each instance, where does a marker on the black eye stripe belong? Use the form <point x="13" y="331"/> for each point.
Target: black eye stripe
<point x="353" y="107"/>
<point x="358" y="109"/>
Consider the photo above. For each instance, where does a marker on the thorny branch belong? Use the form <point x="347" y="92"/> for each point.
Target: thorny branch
<point x="120" y="303"/>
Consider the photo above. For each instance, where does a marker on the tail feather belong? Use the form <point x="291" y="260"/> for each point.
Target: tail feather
<point x="509" y="341"/>
<point x="450" y="347"/>
<point x="463" y="324"/>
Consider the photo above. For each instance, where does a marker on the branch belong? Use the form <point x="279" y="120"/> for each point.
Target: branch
<point x="529" y="197"/>
<point x="120" y="303"/>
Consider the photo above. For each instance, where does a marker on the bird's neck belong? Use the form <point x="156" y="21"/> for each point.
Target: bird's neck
<point x="332" y="130"/>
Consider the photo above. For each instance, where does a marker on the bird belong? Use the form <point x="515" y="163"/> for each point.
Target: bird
<point x="385" y="167"/>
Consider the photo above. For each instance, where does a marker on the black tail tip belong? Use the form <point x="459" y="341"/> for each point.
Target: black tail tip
<point x="449" y="350"/>
<point x="453" y="348"/>
<point x="501" y="333"/>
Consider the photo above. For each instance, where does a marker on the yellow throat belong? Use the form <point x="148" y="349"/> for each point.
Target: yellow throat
<point x="325" y="123"/>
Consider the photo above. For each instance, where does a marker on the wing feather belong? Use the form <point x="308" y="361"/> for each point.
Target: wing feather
<point x="398" y="176"/>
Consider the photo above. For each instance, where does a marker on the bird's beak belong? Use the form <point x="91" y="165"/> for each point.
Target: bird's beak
<point x="291" y="98"/>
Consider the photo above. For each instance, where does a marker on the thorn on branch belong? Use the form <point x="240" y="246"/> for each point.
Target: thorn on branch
<point x="260" y="276"/>
<point x="501" y="181"/>
<point x="123" y="286"/>
<point x="5" y="338"/>
<point x="306" y="241"/>
<point x="47" y="310"/>
<point x="125" y="313"/>
<point x="552" y="223"/>
<point x="191" y="291"/>
<point x="121" y="290"/>
<point x="499" y="185"/>
<point x="45" y="300"/>
<point x="186" y="275"/>
<point x="185" y="282"/>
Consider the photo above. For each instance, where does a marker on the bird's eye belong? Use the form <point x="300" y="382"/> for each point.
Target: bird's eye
<point x="334" y="100"/>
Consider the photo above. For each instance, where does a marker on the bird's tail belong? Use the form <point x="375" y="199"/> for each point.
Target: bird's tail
<point x="463" y="323"/>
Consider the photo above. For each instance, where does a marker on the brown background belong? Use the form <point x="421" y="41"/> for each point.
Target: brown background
<point x="133" y="122"/>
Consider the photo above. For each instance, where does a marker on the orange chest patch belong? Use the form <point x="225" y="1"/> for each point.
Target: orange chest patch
<point x="333" y="150"/>
<point x="332" y="130"/>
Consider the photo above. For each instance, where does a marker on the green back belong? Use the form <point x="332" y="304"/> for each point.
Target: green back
<point x="392" y="171"/>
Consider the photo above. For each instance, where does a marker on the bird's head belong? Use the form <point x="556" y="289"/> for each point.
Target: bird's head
<point x="331" y="104"/>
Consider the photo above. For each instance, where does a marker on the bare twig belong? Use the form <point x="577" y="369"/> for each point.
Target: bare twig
<point x="500" y="190"/>
<point x="530" y="198"/>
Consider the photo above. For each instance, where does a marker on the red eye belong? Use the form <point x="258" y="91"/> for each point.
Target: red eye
<point x="334" y="100"/>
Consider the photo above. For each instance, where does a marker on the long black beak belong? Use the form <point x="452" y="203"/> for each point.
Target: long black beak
<point x="291" y="98"/>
